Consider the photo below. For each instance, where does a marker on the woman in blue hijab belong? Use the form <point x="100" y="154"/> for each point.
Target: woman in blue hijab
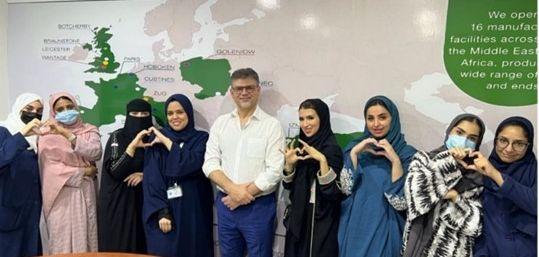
<point x="375" y="166"/>
<point x="177" y="208"/>
<point x="510" y="196"/>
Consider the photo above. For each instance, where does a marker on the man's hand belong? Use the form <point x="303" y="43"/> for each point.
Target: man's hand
<point x="240" y="194"/>
<point x="231" y="204"/>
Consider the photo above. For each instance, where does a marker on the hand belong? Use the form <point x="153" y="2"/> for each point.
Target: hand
<point x="459" y="153"/>
<point x="134" y="179"/>
<point x="90" y="171"/>
<point x="155" y="141"/>
<point x="480" y="164"/>
<point x="452" y="195"/>
<point x="362" y="146"/>
<point x="137" y="142"/>
<point x="359" y="148"/>
<point x="483" y="165"/>
<point x="312" y="153"/>
<point x="231" y="204"/>
<point x="291" y="156"/>
<point x="31" y="128"/>
<point x="165" y="225"/>
<point x="240" y="194"/>
<point x="160" y="138"/>
<point x="55" y="128"/>
<point x="388" y="151"/>
<point x="158" y="135"/>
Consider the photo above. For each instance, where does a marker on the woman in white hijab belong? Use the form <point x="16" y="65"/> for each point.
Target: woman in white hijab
<point x="20" y="190"/>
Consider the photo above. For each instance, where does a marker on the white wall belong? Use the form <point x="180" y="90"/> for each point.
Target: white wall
<point x="4" y="93"/>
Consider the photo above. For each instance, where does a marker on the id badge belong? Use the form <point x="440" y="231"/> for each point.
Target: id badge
<point x="312" y="199"/>
<point x="174" y="192"/>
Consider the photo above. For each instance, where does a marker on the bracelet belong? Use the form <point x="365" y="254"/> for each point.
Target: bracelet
<point x="72" y="137"/>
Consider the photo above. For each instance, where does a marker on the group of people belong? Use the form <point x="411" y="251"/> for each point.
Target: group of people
<point x="378" y="197"/>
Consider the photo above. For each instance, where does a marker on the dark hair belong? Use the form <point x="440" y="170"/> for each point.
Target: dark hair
<point x="472" y="120"/>
<point x="513" y="123"/>
<point x="61" y="97"/>
<point x="307" y="104"/>
<point x="373" y="103"/>
<point x="245" y="73"/>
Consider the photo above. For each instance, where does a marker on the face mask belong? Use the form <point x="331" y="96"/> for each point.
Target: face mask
<point x="454" y="141"/>
<point x="29" y="116"/>
<point x="67" y="117"/>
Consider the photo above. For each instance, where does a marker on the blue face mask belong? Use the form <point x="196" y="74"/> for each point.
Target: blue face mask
<point x="67" y="117"/>
<point x="454" y="141"/>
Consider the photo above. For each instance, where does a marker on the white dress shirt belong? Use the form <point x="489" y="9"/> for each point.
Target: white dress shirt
<point x="246" y="154"/>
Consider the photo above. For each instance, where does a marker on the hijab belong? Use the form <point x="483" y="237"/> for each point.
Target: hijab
<point x="57" y="159"/>
<point x="78" y="127"/>
<point x="305" y="172"/>
<point x="523" y="170"/>
<point x="470" y="178"/>
<point x="14" y="124"/>
<point x="393" y="136"/>
<point x="189" y="130"/>
<point x="155" y="179"/>
<point x="454" y="123"/>
<point x="133" y="125"/>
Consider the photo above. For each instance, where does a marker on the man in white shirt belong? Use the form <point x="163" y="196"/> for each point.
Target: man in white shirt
<point x="243" y="158"/>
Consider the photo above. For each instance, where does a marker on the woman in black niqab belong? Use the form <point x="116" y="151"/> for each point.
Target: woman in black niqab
<point x="120" y="196"/>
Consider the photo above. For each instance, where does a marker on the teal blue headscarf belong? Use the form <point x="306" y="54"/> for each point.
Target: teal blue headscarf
<point x="362" y="231"/>
<point x="393" y="136"/>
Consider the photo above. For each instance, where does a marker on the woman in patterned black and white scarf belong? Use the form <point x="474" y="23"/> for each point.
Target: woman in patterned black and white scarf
<point x="442" y="198"/>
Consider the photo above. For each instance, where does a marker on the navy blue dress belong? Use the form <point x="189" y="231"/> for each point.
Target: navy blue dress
<point x="192" y="213"/>
<point x="20" y="197"/>
<point x="510" y="211"/>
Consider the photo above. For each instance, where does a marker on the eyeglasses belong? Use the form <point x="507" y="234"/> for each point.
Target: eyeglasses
<point x="239" y="90"/>
<point x="517" y="145"/>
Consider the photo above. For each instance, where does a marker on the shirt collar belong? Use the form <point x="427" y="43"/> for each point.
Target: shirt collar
<point x="258" y="114"/>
